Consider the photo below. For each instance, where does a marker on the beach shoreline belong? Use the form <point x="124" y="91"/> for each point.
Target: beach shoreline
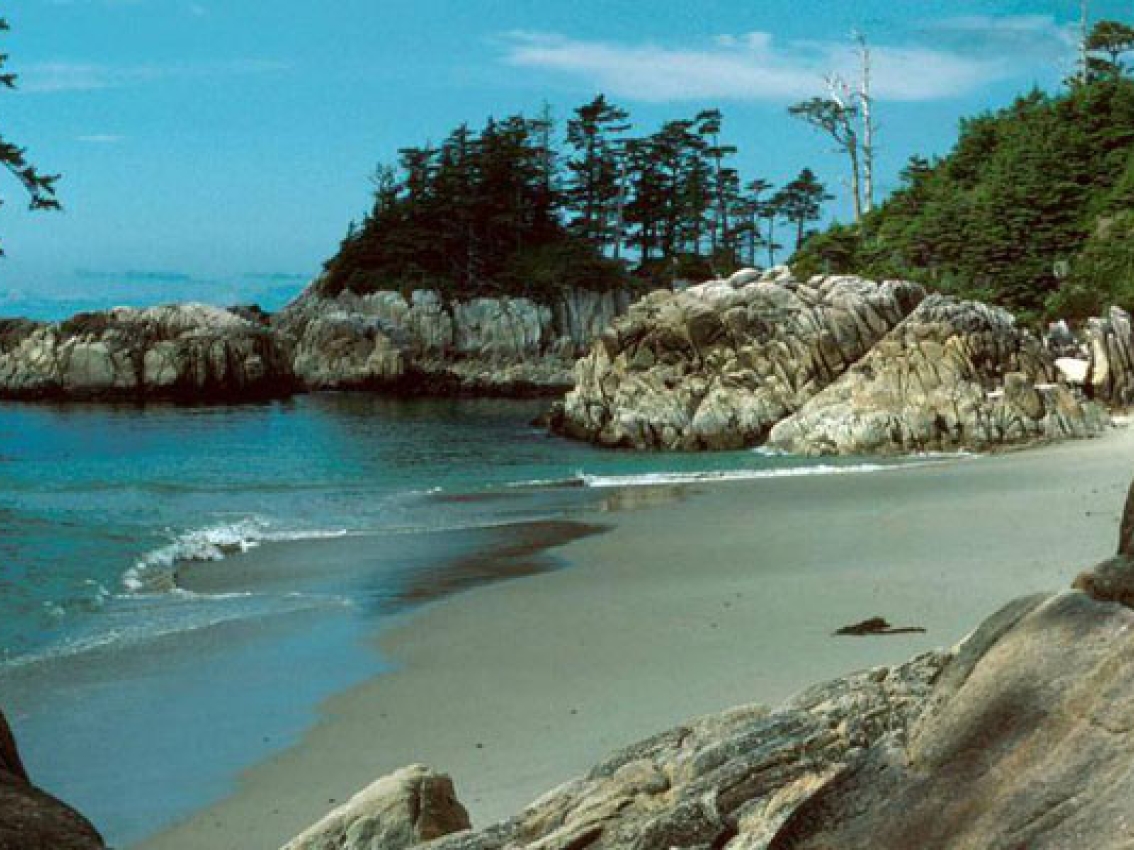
<point x="725" y="597"/>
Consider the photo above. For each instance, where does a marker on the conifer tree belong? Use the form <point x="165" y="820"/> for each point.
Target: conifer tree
<point x="801" y="202"/>
<point x="593" y="184"/>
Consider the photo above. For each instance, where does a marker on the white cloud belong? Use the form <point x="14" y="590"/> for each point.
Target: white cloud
<point x="84" y="76"/>
<point x="88" y="2"/>
<point x="942" y="59"/>
<point x="100" y="139"/>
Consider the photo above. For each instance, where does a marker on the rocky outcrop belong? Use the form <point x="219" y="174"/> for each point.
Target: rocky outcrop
<point x="10" y="762"/>
<point x="1025" y="742"/>
<point x="717" y="365"/>
<point x="401" y="810"/>
<point x="188" y="351"/>
<point x="726" y="780"/>
<point x="31" y="819"/>
<point x="425" y="344"/>
<point x="1110" y="340"/>
<point x="1021" y="736"/>
<point x="955" y="374"/>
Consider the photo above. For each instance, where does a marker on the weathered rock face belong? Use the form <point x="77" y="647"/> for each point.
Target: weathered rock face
<point x="188" y="351"/>
<point x="1026" y="745"/>
<point x="726" y="780"/>
<point x="31" y="819"/>
<point x="490" y="345"/>
<point x="401" y="810"/>
<point x="716" y="365"/>
<point x="1110" y="339"/>
<point x="955" y="374"/>
<point x="1019" y="737"/>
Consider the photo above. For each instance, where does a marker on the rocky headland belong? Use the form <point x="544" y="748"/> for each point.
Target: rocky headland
<point x="834" y="365"/>
<point x="1017" y="737"/>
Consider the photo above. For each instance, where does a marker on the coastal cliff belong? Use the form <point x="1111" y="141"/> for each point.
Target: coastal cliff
<point x="424" y="343"/>
<point x="954" y="374"/>
<point x="1018" y="736"/>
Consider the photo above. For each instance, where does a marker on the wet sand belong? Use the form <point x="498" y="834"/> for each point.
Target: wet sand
<point x="728" y="596"/>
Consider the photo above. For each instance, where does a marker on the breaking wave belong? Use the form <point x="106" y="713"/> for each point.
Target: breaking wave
<point x="652" y="479"/>
<point x="153" y="572"/>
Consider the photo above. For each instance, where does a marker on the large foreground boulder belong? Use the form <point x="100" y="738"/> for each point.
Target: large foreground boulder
<point x="31" y="819"/>
<point x="1025" y="742"/>
<point x="717" y="365"/>
<point x="398" y="811"/>
<point x="733" y="777"/>
<point x="186" y="352"/>
<point x="955" y="374"/>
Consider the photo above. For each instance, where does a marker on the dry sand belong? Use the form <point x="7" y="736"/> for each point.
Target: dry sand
<point x="726" y="596"/>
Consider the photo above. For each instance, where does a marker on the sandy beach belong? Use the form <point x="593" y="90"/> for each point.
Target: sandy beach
<point x="724" y="596"/>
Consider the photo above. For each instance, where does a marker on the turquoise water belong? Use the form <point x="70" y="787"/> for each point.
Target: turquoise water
<point x="97" y="503"/>
<point x="113" y="673"/>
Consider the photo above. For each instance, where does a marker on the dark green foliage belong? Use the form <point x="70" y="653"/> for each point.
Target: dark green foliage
<point x="501" y="211"/>
<point x="1014" y="213"/>
<point x="801" y="201"/>
<point x="596" y="173"/>
<point x="569" y="263"/>
<point x="1102" y="274"/>
<point x="458" y="218"/>
<point x="40" y="187"/>
<point x="1111" y="39"/>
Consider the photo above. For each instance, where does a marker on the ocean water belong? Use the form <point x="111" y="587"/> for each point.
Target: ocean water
<point x="112" y="671"/>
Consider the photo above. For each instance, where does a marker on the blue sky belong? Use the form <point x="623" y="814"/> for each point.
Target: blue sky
<point x="217" y="149"/>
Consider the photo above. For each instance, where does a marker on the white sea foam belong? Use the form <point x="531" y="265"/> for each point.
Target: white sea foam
<point x="653" y="479"/>
<point x="769" y="451"/>
<point x="177" y="613"/>
<point x="546" y="483"/>
<point x="154" y="570"/>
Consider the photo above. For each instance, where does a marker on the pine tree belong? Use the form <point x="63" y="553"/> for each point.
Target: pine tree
<point x="709" y="124"/>
<point x="801" y="202"/>
<point x="1113" y="39"/>
<point x="593" y="185"/>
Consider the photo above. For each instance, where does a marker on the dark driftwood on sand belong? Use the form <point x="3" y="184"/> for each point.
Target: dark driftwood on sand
<point x="878" y="626"/>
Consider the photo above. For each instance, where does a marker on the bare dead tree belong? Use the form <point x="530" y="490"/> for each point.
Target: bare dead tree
<point x="846" y="114"/>
<point x="866" y="116"/>
<point x="1084" y="38"/>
